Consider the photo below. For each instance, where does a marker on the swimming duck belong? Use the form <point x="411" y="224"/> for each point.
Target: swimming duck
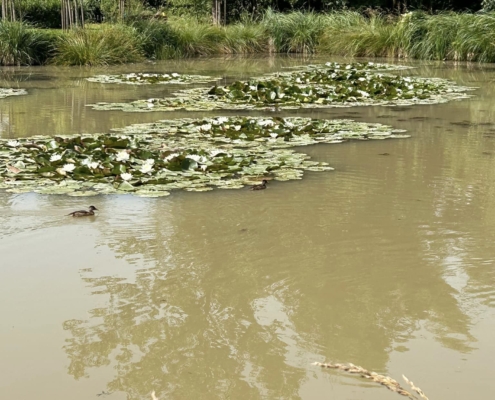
<point x="261" y="186"/>
<point x="84" y="213"/>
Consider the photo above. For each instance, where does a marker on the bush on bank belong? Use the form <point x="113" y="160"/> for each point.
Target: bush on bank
<point x="445" y="36"/>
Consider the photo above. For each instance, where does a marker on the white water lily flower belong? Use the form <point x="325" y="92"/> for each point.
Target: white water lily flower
<point x="122" y="155"/>
<point x="170" y="156"/>
<point x="216" y="152"/>
<point x="13" y="143"/>
<point x="55" y="157"/>
<point x="222" y="120"/>
<point x="298" y="80"/>
<point x="410" y="87"/>
<point x="69" y="167"/>
<point x="237" y="127"/>
<point x="126" y="176"/>
<point x="175" y="75"/>
<point x="251" y="87"/>
<point x="149" y="161"/>
<point x="205" y="127"/>
<point x="145" y="168"/>
<point x="94" y="165"/>
<point x="203" y="167"/>
<point x="289" y="124"/>
<point x="197" y="158"/>
<point x="265" y="122"/>
<point x="166" y="75"/>
<point x="273" y="135"/>
<point x="348" y="66"/>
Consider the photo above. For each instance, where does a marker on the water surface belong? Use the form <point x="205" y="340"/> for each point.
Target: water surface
<point x="386" y="262"/>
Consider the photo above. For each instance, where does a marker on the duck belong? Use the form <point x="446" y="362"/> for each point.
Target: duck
<point x="260" y="186"/>
<point x="84" y="213"/>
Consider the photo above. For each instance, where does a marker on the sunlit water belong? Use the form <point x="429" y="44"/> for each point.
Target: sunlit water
<point x="386" y="262"/>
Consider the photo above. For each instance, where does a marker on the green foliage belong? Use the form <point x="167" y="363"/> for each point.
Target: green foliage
<point x="20" y="44"/>
<point x="42" y="13"/>
<point x="488" y="5"/>
<point x="113" y="44"/>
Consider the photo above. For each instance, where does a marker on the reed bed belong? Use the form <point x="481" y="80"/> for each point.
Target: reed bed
<point x="445" y="36"/>
<point x="384" y="380"/>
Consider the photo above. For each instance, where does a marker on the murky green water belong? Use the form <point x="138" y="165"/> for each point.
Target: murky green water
<point x="387" y="262"/>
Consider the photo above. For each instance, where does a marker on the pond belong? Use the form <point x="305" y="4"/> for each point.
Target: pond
<point x="387" y="262"/>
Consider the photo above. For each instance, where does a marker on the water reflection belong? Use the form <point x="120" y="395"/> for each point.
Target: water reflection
<point x="232" y="298"/>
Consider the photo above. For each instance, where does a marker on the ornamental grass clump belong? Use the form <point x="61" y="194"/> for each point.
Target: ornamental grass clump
<point x="21" y="44"/>
<point x="352" y="34"/>
<point x="114" y="44"/>
<point x="191" y="38"/>
<point x="245" y="38"/>
<point x="296" y="32"/>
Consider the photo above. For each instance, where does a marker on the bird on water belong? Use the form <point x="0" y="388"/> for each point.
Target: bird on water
<point x="260" y="186"/>
<point x="84" y="213"/>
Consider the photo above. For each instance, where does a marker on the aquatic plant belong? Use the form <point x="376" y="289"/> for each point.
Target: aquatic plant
<point x="330" y="85"/>
<point x="194" y="155"/>
<point x="5" y="92"/>
<point x="140" y="78"/>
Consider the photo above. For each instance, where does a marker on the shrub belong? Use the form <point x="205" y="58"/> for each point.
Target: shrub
<point x="41" y="13"/>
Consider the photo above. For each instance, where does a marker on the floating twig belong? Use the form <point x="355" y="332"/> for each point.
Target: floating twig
<point x="415" y="388"/>
<point x="386" y="381"/>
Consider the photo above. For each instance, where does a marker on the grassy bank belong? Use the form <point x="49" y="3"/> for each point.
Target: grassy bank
<point x="448" y="36"/>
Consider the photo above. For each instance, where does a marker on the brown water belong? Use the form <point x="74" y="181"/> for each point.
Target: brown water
<point x="387" y="262"/>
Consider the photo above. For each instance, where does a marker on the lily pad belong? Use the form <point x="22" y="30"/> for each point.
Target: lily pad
<point x="139" y="78"/>
<point x="329" y="85"/>
<point x="150" y="160"/>
<point x="7" y="92"/>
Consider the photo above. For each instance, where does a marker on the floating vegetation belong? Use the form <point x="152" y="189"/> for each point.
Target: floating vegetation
<point x="357" y="66"/>
<point x="386" y="381"/>
<point x="330" y="85"/>
<point x="194" y="155"/>
<point x="151" y="79"/>
<point x="4" y="92"/>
